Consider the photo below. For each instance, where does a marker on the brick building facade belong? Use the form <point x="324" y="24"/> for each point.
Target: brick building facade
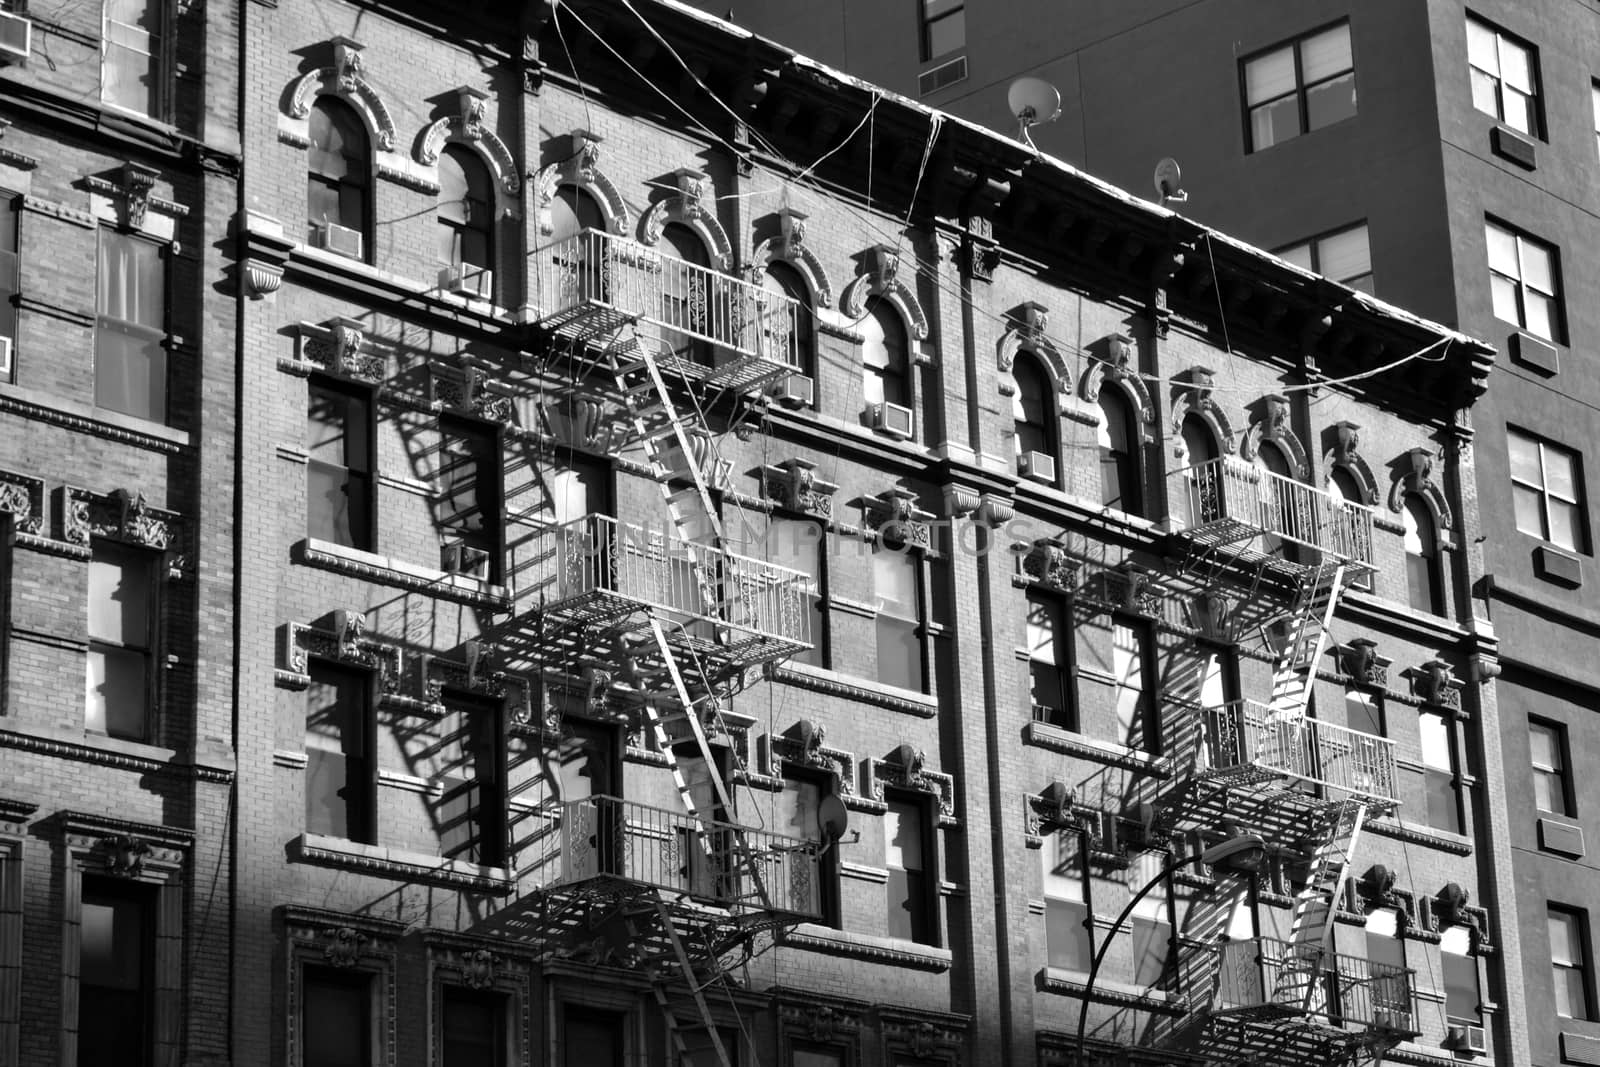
<point x="593" y="361"/>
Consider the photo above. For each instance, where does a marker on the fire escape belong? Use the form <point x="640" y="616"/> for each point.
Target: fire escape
<point x="664" y="621"/>
<point x="1286" y="552"/>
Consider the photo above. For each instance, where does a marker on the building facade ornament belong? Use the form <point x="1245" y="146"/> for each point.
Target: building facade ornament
<point x="1114" y="361"/>
<point x="1027" y="327"/>
<point x="469" y="126"/>
<point x="882" y="278"/>
<point x="345" y="78"/>
<point x="1272" y="424"/>
<point x="907" y="768"/>
<point x="344" y="641"/>
<point x="1193" y="394"/>
<point x="895" y="516"/>
<point x="790" y="247"/>
<point x="580" y="169"/>
<point x="693" y="206"/>
<point x="794" y="486"/>
<point x="1413" y="472"/>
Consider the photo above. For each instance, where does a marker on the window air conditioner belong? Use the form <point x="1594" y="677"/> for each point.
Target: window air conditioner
<point x="16" y="37"/>
<point x="457" y="558"/>
<point x="1038" y="466"/>
<point x="892" y="419"/>
<point x="339" y="239"/>
<point x="1466" y="1038"/>
<point x="464" y="279"/>
<point x="5" y="358"/>
<point x="795" y="391"/>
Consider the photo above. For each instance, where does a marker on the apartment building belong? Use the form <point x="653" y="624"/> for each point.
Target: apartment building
<point x="718" y="564"/>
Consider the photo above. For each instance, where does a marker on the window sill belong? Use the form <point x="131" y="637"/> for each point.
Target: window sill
<point x="311" y="259"/>
<point x="832" y="683"/>
<point x="1064" y="983"/>
<point x="319" y="850"/>
<point x="76" y="743"/>
<point x="75" y="415"/>
<point x="1411" y="833"/>
<point x="387" y="570"/>
<point x="892" y="951"/>
<point x="1043" y="735"/>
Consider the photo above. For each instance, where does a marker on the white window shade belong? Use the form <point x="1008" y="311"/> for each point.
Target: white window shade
<point x="1326" y="54"/>
<point x="1270" y="76"/>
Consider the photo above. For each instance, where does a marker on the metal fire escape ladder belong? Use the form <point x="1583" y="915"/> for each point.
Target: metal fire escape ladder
<point x="1311" y="930"/>
<point x="677" y="1029"/>
<point x="1311" y="616"/>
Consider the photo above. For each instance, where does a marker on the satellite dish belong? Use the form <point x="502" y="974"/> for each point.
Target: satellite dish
<point x="1169" y="182"/>
<point x="832" y="817"/>
<point x="1032" y="101"/>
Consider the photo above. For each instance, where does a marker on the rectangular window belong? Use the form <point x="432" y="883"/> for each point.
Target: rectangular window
<point x="1219" y="686"/>
<point x="472" y="809"/>
<point x="470" y="492"/>
<point x="130" y="65"/>
<point x="1594" y="100"/>
<point x="896" y="582"/>
<point x="913" y="881"/>
<point x="799" y="815"/>
<point x="474" y="1028"/>
<point x="10" y="285"/>
<point x="1462" y="995"/>
<point x="1439" y="778"/>
<point x="1364" y="711"/>
<point x="341" y="774"/>
<point x="1552" y="787"/>
<point x="336" y="1018"/>
<point x="1151" y="924"/>
<point x="116" y="968"/>
<point x="130" y="354"/>
<point x="592" y="1038"/>
<point x="1299" y="86"/>
<point x="1067" y="942"/>
<point x="1524" y="281"/>
<point x="816" y="1057"/>
<point x="1569" y="963"/>
<point x="798" y="544"/>
<point x="1505" y="77"/>
<point x="1133" y="664"/>
<point x="578" y="486"/>
<point x="944" y="27"/>
<point x="339" y="467"/>
<point x="121" y="677"/>
<point x="1547" y="491"/>
<point x="1050" y="666"/>
<point x="1344" y="256"/>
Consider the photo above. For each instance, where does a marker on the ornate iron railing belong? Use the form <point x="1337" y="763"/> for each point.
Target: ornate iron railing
<point x="598" y="271"/>
<point x="1342" y="989"/>
<point x="597" y="556"/>
<point x="1245" y="734"/>
<point x="715" y="862"/>
<point x="1228" y="492"/>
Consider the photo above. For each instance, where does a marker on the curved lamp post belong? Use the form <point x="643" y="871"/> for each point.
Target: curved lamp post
<point x="1238" y="852"/>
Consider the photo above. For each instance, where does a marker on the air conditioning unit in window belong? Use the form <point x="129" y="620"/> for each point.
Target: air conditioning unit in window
<point x="795" y="391"/>
<point x="5" y="359"/>
<point x="1038" y="466"/>
<point x="1466" y="1038"/>
<point x="16" y="38"/>
<point x="464" y="279"/>
<point x="457" y="558"/>
<point x="338" y="239"/>
<point x="892" y="419"/>
<point x="942" y="76"/>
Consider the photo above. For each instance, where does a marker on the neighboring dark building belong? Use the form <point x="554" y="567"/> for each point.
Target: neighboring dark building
<point x="619" y="452"/>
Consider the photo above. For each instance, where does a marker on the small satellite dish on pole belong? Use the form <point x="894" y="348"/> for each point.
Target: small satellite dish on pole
<point x="1169" y="182"/>
<point x="832" y="819"/>
<point x="1032" y="101"/>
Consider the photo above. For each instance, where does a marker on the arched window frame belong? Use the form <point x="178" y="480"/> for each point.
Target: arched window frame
<point x="1425" y="589"/>
<point x="459" y="230"/>
<point x="358" y="179"/>
<point x="897" y="366"/>
<point x="686" y="300"/>
<point x="1116" y="404"/>
<point x="793" y="283"/>
<point x="1034" y="382"/>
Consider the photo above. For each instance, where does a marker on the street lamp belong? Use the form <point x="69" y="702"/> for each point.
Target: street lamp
<point x="1237" y="852"/>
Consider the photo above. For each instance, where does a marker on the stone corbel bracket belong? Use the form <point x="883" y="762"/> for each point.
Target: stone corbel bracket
<point x="133" y="193"/>
<point x="1434" y="683"/>
<point x="467" y="126"/>
<point x="1046" y="562"/>
<point x="1346" y="453"/>
<point x="1274" y="426"/>
<point x="794" y="486"/>
<point x="345" y="79"/>
<point x="127" y="849"/>
<point x="1120" y="367"/>
<point x="790" y="247"/>
<point x="1360" y="663"/>
<point x="1415" y="475"/>
<point x="1026" y="331"/>
<point x="340" y="347"/>
<point x="581" y="169"/>
<point x="342" y="940"/>
<point x="478" y="672"/>
<point x="122" y="515"/>
<point x="22" y="498"/>
<point x="906" y="768"/>
<point x="694" y="206"/>
<point x="801" y="748"/>
<point x="464" y="386"/>
<point x="882" y="279"/>
<point x="347" y="642"/>
<point x="1192" y="395"/>
<point x="893" y="513"/>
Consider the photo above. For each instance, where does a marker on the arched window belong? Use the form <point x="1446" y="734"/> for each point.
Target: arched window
<point x="339" y="178"/>
<point x="1424" y="577"/>
<point x="1034" y="416"/>
<point x="885" y="355"/>
<point x="1350" y="535"/>
<point x="1199" y="443"/>
<point x="1120" y="483"/>
<point x="1286" y="514"/>
<point x="466" y="209"/>
<point x="1200" y="447"/>
<point x="572" y="211"/>
<point x="786" y="281"/>
<point x="684" y="295"/>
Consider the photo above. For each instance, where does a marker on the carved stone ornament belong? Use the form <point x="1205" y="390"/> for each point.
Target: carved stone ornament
<point x="883" y="278"/>
<point x="906" y="768"/>
<point x="340" y="347"/>
<point x="345" y="78"/>
<point x="894" y="514"/>
<point x="1027" y="328"/>
<point x="478" y="672"/>
<point x="347" y="642"/>
<point x="1346" y="454"/>
<point x="922" y="1036"/>
<point x="1359" y="661"/>
<point x="1131" y="588"/>
<point x="1434" y="683"/>
<point x="125" y="855"/>
<point x="1376" y="887"/>
<point x="816" y="1020"/>
<point x="790" y="247"/>
<point x="1273" y="425"/>
<point x="1414" y="474"/>
<point x="1056" y="809"/>
<point x="137" y="184"/>
<point x="466" y="388"/>
<point x="343" y="947"/>
<point x="1114" y="360"/>
<point x="581" y="169"/>
<point x="121" y="515"/>
<point x="469" y="126"/>
<point x="22" y="498"/>
<point x="477" y="969"/>
<point x="1214" y="616"/>
<point x="693" y="206"/>
<point x="794" y="486"/>
<point x="1192" y="394"/>
<point x="1048" y="563"/>
<point x="802" y="747"/>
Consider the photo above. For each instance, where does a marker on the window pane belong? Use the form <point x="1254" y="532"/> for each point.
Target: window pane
<point x="1566" y="526"/>
<point x="1503" y="292"/>
<point x="130" y="373"/>
<point x="1516" y="67"/>
<point x="798" y="810"/>
<point x="1559" y="473"/>
<point x="119" y="597"/>
<point x="1524" y="453"/>
<point x="336" y="1017"/>
<point x="118" y="691"/>
<point x="1519" y="110"/>
<point x="902" y="829"/>
<point x="1481" y="48"/>
<point x="1299" y="255"/>
<point x="1269" y="76"/>
<point x="1483" y="93"/>
<point x="894" y="582"/>
<point x="1539" y="316"/>
<point x="1330" y="102"/>
<point x="1272" y="123"/>
<point x="1542" y="746"/>
<point x="1326" y="54"/>
<point x="1151" y="946"/>
<point x="1538" y="267"/>
<point x="1362" y="711"/>
<point x="1502" y="251"/>
<point x="1444" y="806"/>
<point x="114" y="960"/>
<point x="1346" y="255"/>
<point x="899" y="653"/>
<point x="1528" y="505"/>
<point x="328" y="504"/>
<point x="335" y="753"/>
<point x="1435" y="741"/>
<point x="130" y="78"/>
<point x="947" y="34"/>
